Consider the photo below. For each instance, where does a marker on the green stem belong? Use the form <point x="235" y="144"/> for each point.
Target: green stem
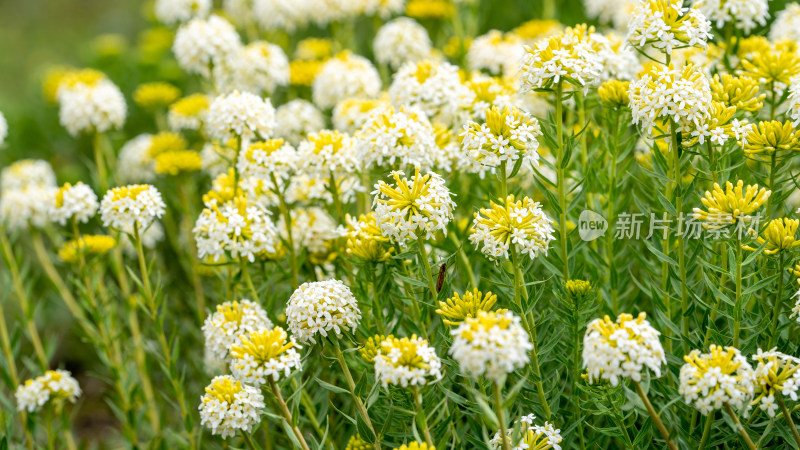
<point x="788" y="416"/>
<point x="423" y="255"/>
<point x="676" y="162"/>
<point x="362" y="410"/>
<point x="737" y="313"/>
<point x="249" y="441"/>
<point x="145" y="277"/>
<point x="776" y="308"/>
<point x="707" y="431"/>
<point x="422" y="419"/>
<point x="739" y="428"/>
<point x="654" y="415"/>
<point x="618" y="420"/>
<point x="530" y="328"/>
<point x="561" y="182"/>
<point x="24" y="301"/>
<point x="287" y="219"/>
<point x="248" y="280"/>
<point x="611" y="216"/>
<point x="287" y="414"/>
<point x="99" y="161"/>
<point x="498" y="406"/>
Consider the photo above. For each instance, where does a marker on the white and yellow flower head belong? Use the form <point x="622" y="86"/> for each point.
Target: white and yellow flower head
<point x="780" y="235"/>
<point x="569" y="56"/>
<point x="269" y="161"/>
<point x="260" y="67"/>
<point x="296" y="119"/>
<point x="730" y="206"/>
<point x="745" y="15"/>
<point x="129" y="207"/>
<point x="27" y="173"/>
<point x="202" y="44"/>
<point x="492" y="344"/>
<point x="90" y="103"/>
<point x="351" y="114"/>
<point x="407" y="361"/>
<point x="710" y="380"/>
<point x="78" y="202"/>
<point x="396" y="137"/>
<point x="776" y="374"/>
<point x="667" y="25"/>
<point x="327" y="153"/>
<point x="262" y="354"/>
<point x="490" y="91"/>
<point x="621" y="349"/>
<point x="229" y="406"/>
<point x="188" y="113"/>
<point x="236" y="228"/>
<point x="507" y="135"/>
<point x="170" y="12"/>
<point x="365" y="240"/>
<point x="459" y="307"/>
<point x="681" y="94"/>
<point x="521" y="223"/>
<point x="496" y="52"/>
<point x="412" y="208"/>
<point x="533" y="437"/>
<point x="240" y="115"/>
<point x="228" y="323"/>
<point x="316" y="308"/>
<point x="344" y="76"/>
<point x="53" y="386"/>
<point x="27" y="207"/>
<point x="433" y="87"/>
<point x="786" y="25"/>
<point x="401" y="40"/>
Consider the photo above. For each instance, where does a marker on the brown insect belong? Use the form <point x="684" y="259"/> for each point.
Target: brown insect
<point x="440" y="280"/>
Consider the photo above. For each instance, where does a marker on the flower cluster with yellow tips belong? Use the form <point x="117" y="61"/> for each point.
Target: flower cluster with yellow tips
<point x="734" y="205"/>
<point x="512" y="225"/>
<point x="708" y="381"/>
<point x="263" y="354"/>
<point x="776" y="374"/>
<point x="229" y="406"/>
<point x="406" y="361"/>
<point x="458" y="308"/>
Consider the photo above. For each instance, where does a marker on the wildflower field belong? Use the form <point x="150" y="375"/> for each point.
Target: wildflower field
<point x="403" y="224"/>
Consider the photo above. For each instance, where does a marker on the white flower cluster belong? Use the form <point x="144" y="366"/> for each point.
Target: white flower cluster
<point x="668" y="25"/>
<point x="400" y="41"/>
<point x="615" y="12"/>
<point x="396" y="137"/>
<point x="77" y="202"/>
<point x="264" y="160"/>
<point x="344" y="76"/>
<point x="234" y="229"/>
<point x="27" y="194"/>
<point x="27" y="173"/>
<point x="297" y="119"/>
<point x="618" y="60"/>
<point x="621" y="349"/>
<point x="434" y="88"/>
<point x="231" y="321"/>
<point x="240" y="114"/>
<point x="679" y="94"/>
<point x="135" y="164"/>
<point x="493" y="344"/>
<point x="412" y="208"/>
<point x="91" y="107"/>
<point x="312" y="228"/>
<point x="260" y="67"/>
<point x="171" y="12"/>
<point x="128" y="207"/>
<point x="533" y="437"/>
<point x="794" y="100"/>
<point x="406" y="361"/>
<point x="281" y="14"/>
<point x="3" y="128"/>
<point x="569" y="56"/>
<point x="496" y="53"/>
<point x="507" y="134"/>
<point x="230" y="405"/>
<point x="328" y="152"/>
<point x="743" y="14"/>
<point x="776" y="374"/>
<point x="318" y="307"/>
<point x="202" y="44"/>
<point x="351" y="114"/>
<point x="521" y="223"/>
<point x="710" y="380"/>
<point x="263" y="354"/>
<point x="53" y="385"/>
<point x="786" y="25"/>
